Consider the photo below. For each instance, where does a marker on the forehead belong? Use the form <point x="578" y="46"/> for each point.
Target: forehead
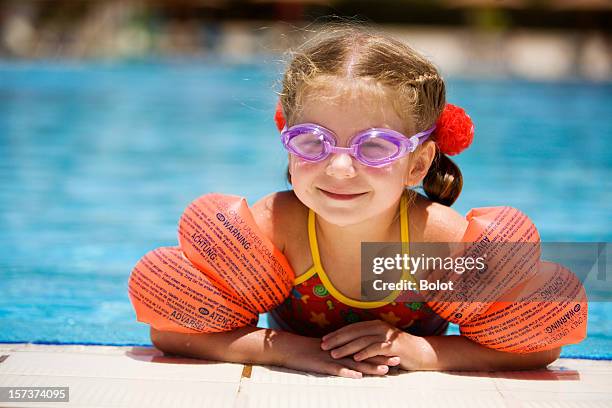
<point x="347" y="109"/>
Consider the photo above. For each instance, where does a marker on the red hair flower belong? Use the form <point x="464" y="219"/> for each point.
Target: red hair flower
<point x="454" y="130"/>
<point x="279" y="119"/>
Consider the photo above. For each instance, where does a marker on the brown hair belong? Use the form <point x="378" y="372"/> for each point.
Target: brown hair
<point x="418" y="93"/>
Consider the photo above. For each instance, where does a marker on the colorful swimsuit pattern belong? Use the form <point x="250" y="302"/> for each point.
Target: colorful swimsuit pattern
<point x="316" y="308"/>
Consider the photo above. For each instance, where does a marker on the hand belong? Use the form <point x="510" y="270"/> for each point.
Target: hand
<point x="305" y="353"/>
<point x="374" y="339"/>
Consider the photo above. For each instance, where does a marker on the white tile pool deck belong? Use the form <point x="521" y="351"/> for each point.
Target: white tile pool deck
<point x="108" y="376"/>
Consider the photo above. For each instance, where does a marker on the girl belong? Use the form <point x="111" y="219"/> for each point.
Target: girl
<point x="340" y="88"/>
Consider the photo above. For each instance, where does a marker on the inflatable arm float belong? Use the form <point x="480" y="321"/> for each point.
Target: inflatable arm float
<point x="224" y="273"/>
<point x="519" y="304"/>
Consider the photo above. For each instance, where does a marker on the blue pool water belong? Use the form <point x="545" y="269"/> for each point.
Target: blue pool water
<point x="98" y="161"/>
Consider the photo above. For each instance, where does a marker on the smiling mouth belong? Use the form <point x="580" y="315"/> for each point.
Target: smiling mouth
<point x="336" y="196"/>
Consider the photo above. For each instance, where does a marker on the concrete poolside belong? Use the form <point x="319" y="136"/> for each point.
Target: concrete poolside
<point x="109" y="376"/>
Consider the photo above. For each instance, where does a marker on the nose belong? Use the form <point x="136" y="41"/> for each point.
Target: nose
<point x="340" y="166"/>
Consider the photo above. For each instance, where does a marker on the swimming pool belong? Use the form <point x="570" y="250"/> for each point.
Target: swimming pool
<point x="100" y="159"/>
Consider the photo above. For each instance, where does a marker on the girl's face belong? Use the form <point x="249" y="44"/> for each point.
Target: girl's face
<point x="340" y="189"/>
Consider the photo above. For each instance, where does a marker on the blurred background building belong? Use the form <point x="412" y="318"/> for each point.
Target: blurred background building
<point x="535" y="39"/>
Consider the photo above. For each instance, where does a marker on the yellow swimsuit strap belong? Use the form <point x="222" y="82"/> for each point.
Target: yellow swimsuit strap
<point x="318" y="268"/>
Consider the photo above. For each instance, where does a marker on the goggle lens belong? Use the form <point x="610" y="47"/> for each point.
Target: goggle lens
<point x="309" y="145"/>
<point x="376" y="149"/>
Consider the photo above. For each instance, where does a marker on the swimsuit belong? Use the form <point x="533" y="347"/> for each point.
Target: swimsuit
<point x="315" y="308"/>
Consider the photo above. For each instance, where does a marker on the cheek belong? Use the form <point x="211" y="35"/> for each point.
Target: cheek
<point x="391" y="174"/>
<point x="303" y="173"/>
<point x="299" y="167"/>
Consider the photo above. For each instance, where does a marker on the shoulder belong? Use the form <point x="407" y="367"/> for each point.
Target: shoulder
<point x="434" y="222"/>
<point x="276" y="216"/>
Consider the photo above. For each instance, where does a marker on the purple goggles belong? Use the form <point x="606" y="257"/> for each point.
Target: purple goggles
<point x="374" y="147"/>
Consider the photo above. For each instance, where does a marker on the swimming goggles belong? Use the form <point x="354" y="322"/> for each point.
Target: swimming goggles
<point x="374" y="147"/>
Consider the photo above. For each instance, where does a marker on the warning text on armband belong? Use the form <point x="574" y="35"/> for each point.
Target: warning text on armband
<point x="206" y="247"/>
<point x="251" y="239"/>
<point x="234" y="230"/>
<point x="188" y="321"/>
<point x="566" y="318"/>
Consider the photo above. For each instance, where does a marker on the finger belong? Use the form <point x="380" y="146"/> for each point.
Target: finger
<point x="376" y="349"/>
<point x="380" y="360"/>
<point x="351" y="332"/>
<point x="365" y="368"/>
<point x="340" y="370"/>
<point x="349" y="328"/>
<point x="354" y="346"/>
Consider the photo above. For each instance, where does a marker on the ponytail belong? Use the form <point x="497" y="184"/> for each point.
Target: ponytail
<point x="443" y="182"/>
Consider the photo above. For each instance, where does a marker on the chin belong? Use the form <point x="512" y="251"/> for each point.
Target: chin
<point x="342" y="217"/>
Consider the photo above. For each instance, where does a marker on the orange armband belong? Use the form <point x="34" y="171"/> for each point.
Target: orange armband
<point x="518" y="303"/>
<point x="225" y="272"/>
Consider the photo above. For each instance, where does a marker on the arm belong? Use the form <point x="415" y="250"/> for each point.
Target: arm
<point x="462" y="354"/>
<point x="459" y="352"/>
<point x="365" y="340"/>
<point x="254" y="345"/>
<point x="245" y="345"/>
<point x="264" y="346"/>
